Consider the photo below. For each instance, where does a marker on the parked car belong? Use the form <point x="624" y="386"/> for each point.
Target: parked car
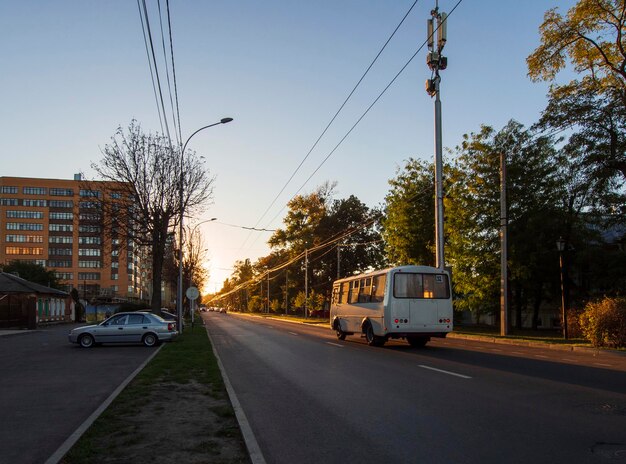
<point x="170" y="316"/>
<point x="129" y="327"/>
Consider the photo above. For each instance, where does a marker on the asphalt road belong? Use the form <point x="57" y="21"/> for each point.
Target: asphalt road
<point x="48" y="387"/>
<point x="310" y="398"/>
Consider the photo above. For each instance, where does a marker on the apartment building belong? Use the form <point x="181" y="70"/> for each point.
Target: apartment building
<point x="59" y="224"/>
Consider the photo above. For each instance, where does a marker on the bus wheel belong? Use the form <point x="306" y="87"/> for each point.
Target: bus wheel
<point x="341" y="335"/>
<point x="373" y="340"/>
<point x="417" y="342"/>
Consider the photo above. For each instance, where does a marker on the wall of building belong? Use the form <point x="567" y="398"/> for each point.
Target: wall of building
<point x="54" y="222"/>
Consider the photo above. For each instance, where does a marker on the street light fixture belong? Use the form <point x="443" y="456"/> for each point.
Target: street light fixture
<point x="179" y="304"/>
<point x="560" y="245"/>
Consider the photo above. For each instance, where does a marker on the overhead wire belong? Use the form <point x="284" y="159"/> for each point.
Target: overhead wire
<point x="363" y="115"/>
<point x="333" y="118"/>
<point x="145" y="40"/>
<point x="167" y="74"/>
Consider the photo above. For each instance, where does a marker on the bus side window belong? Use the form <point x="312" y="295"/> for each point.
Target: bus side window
<point x="354" y="291"/>
<point x="345" y="292"/>
<point x="378" y="290"/>
<point x="365" y="290"/>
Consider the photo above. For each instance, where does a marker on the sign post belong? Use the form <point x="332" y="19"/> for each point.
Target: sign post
<point x="192" y="293"/>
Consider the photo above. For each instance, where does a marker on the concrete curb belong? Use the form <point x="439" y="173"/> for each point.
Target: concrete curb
<point x="549" y="346"/>
<point x="74" y="437"/>
<point x="256" y="456"/>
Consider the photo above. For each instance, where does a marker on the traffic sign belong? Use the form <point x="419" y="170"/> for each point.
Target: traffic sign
<point x="192" y="293"/>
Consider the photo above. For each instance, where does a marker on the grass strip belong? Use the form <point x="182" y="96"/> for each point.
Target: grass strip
<point x="186" y="360"/>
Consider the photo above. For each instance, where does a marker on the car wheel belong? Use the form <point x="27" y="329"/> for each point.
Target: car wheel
<point x="373" y="340"/>
<point x="150" y="339"/>
<point x="86" y="341"/>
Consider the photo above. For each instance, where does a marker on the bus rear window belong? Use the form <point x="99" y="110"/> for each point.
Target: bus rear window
<point x="413" y="285"/>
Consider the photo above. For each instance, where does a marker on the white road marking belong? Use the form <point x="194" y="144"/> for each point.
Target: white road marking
<point x="540" y="356"/>
<point x="293" y="333"/>
<point x="444" y="372"/>
<point x="334" y="344"/>
<point x="570" y="360"/>
<point x="600" y="364"/>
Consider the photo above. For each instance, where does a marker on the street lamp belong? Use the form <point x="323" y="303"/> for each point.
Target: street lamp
<point x="182" y="213"/>
<point x="560" y="245"/>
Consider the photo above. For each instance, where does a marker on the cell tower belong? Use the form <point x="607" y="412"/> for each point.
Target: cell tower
<point x="437" y="62"/>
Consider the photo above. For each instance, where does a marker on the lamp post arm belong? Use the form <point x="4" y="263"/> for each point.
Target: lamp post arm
<point x="202" y="128"/>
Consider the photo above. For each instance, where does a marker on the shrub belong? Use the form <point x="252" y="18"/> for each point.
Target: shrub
<point x="604" y="322"/>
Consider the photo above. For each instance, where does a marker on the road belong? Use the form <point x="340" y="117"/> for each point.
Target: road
<point x="310" y="398"/>
<point x="48" y="388"/>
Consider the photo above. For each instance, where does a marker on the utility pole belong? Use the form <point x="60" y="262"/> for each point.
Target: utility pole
<point x="504" y="277"/>
<point x="338" y="261"/>
<point x="268" y="291"/>
<point x="286" y="291"/>
<point x="306" y="282"/>
<point x="436" y="62"/>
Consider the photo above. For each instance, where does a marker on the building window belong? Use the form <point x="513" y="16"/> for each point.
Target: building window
<point x="34" y="190"/>
<point x="23" y="251"/>
<point x="89" y="241"/>
<point x="115" y="265"/>
<point x="8" y="201"/>
<point x="89" y="217"/>
<point x="60" y="192"/>
<point x="89" y="264"/>
<point x="60" y="251"/>
<point x="88" y="252"/>
<point x="114" y="276"/>
<point x="6" y="189"/>
<point x="24" y="238"/>
<point x="89" y="229"/>
<point x="89" y="193"/>
<point x="60" y="227"/>
<point x="64" y="275"/>
<point x="88" y="276"/>
<point x="61" y="204"/>
<point x="60" y="239"/>
<point x="35" y="203"/>
<point x="25" y="214"/>
<point x="23" y="226"/>
<point x="54" y="263"/>
<point x="61" y="216"/>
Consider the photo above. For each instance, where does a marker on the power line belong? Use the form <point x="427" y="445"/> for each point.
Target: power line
<point x="332" y="119"/>
<point x="361" y="117"/>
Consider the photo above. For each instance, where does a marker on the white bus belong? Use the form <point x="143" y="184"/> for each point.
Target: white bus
<point x="412" y="302"/>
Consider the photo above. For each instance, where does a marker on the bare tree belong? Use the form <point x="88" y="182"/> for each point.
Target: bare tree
<point x="145" y="169"/>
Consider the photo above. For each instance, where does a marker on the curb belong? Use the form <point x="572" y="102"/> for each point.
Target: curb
<point x="74" y="437"/>
<point x="549" y="346"/>
<point x="256" y="456"/>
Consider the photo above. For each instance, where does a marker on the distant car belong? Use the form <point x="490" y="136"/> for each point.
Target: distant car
<point x="130" y="327"/>
<point x="223" y="310"/>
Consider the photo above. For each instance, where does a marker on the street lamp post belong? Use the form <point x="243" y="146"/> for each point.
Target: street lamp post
<point x="182" y="214"/>
<point x="560" y="245"/>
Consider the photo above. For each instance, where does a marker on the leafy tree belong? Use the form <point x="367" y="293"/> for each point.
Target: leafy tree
<point x="141" y="167"/>
<point x="409" y="223"/>
<point x="473" y="218"/>
<point x="33" y="273"/>
<point x="591" y="38"/>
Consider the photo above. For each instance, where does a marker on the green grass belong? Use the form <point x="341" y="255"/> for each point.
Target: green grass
<point x="188" y="359"/>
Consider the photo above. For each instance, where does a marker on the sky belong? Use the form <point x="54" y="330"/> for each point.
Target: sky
<point x="75" y="71"/>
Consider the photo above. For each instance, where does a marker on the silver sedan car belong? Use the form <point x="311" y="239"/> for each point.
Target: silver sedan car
<point x="131" y="327"/>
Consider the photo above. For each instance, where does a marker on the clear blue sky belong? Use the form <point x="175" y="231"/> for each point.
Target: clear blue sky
<point x="73" y="71"/>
